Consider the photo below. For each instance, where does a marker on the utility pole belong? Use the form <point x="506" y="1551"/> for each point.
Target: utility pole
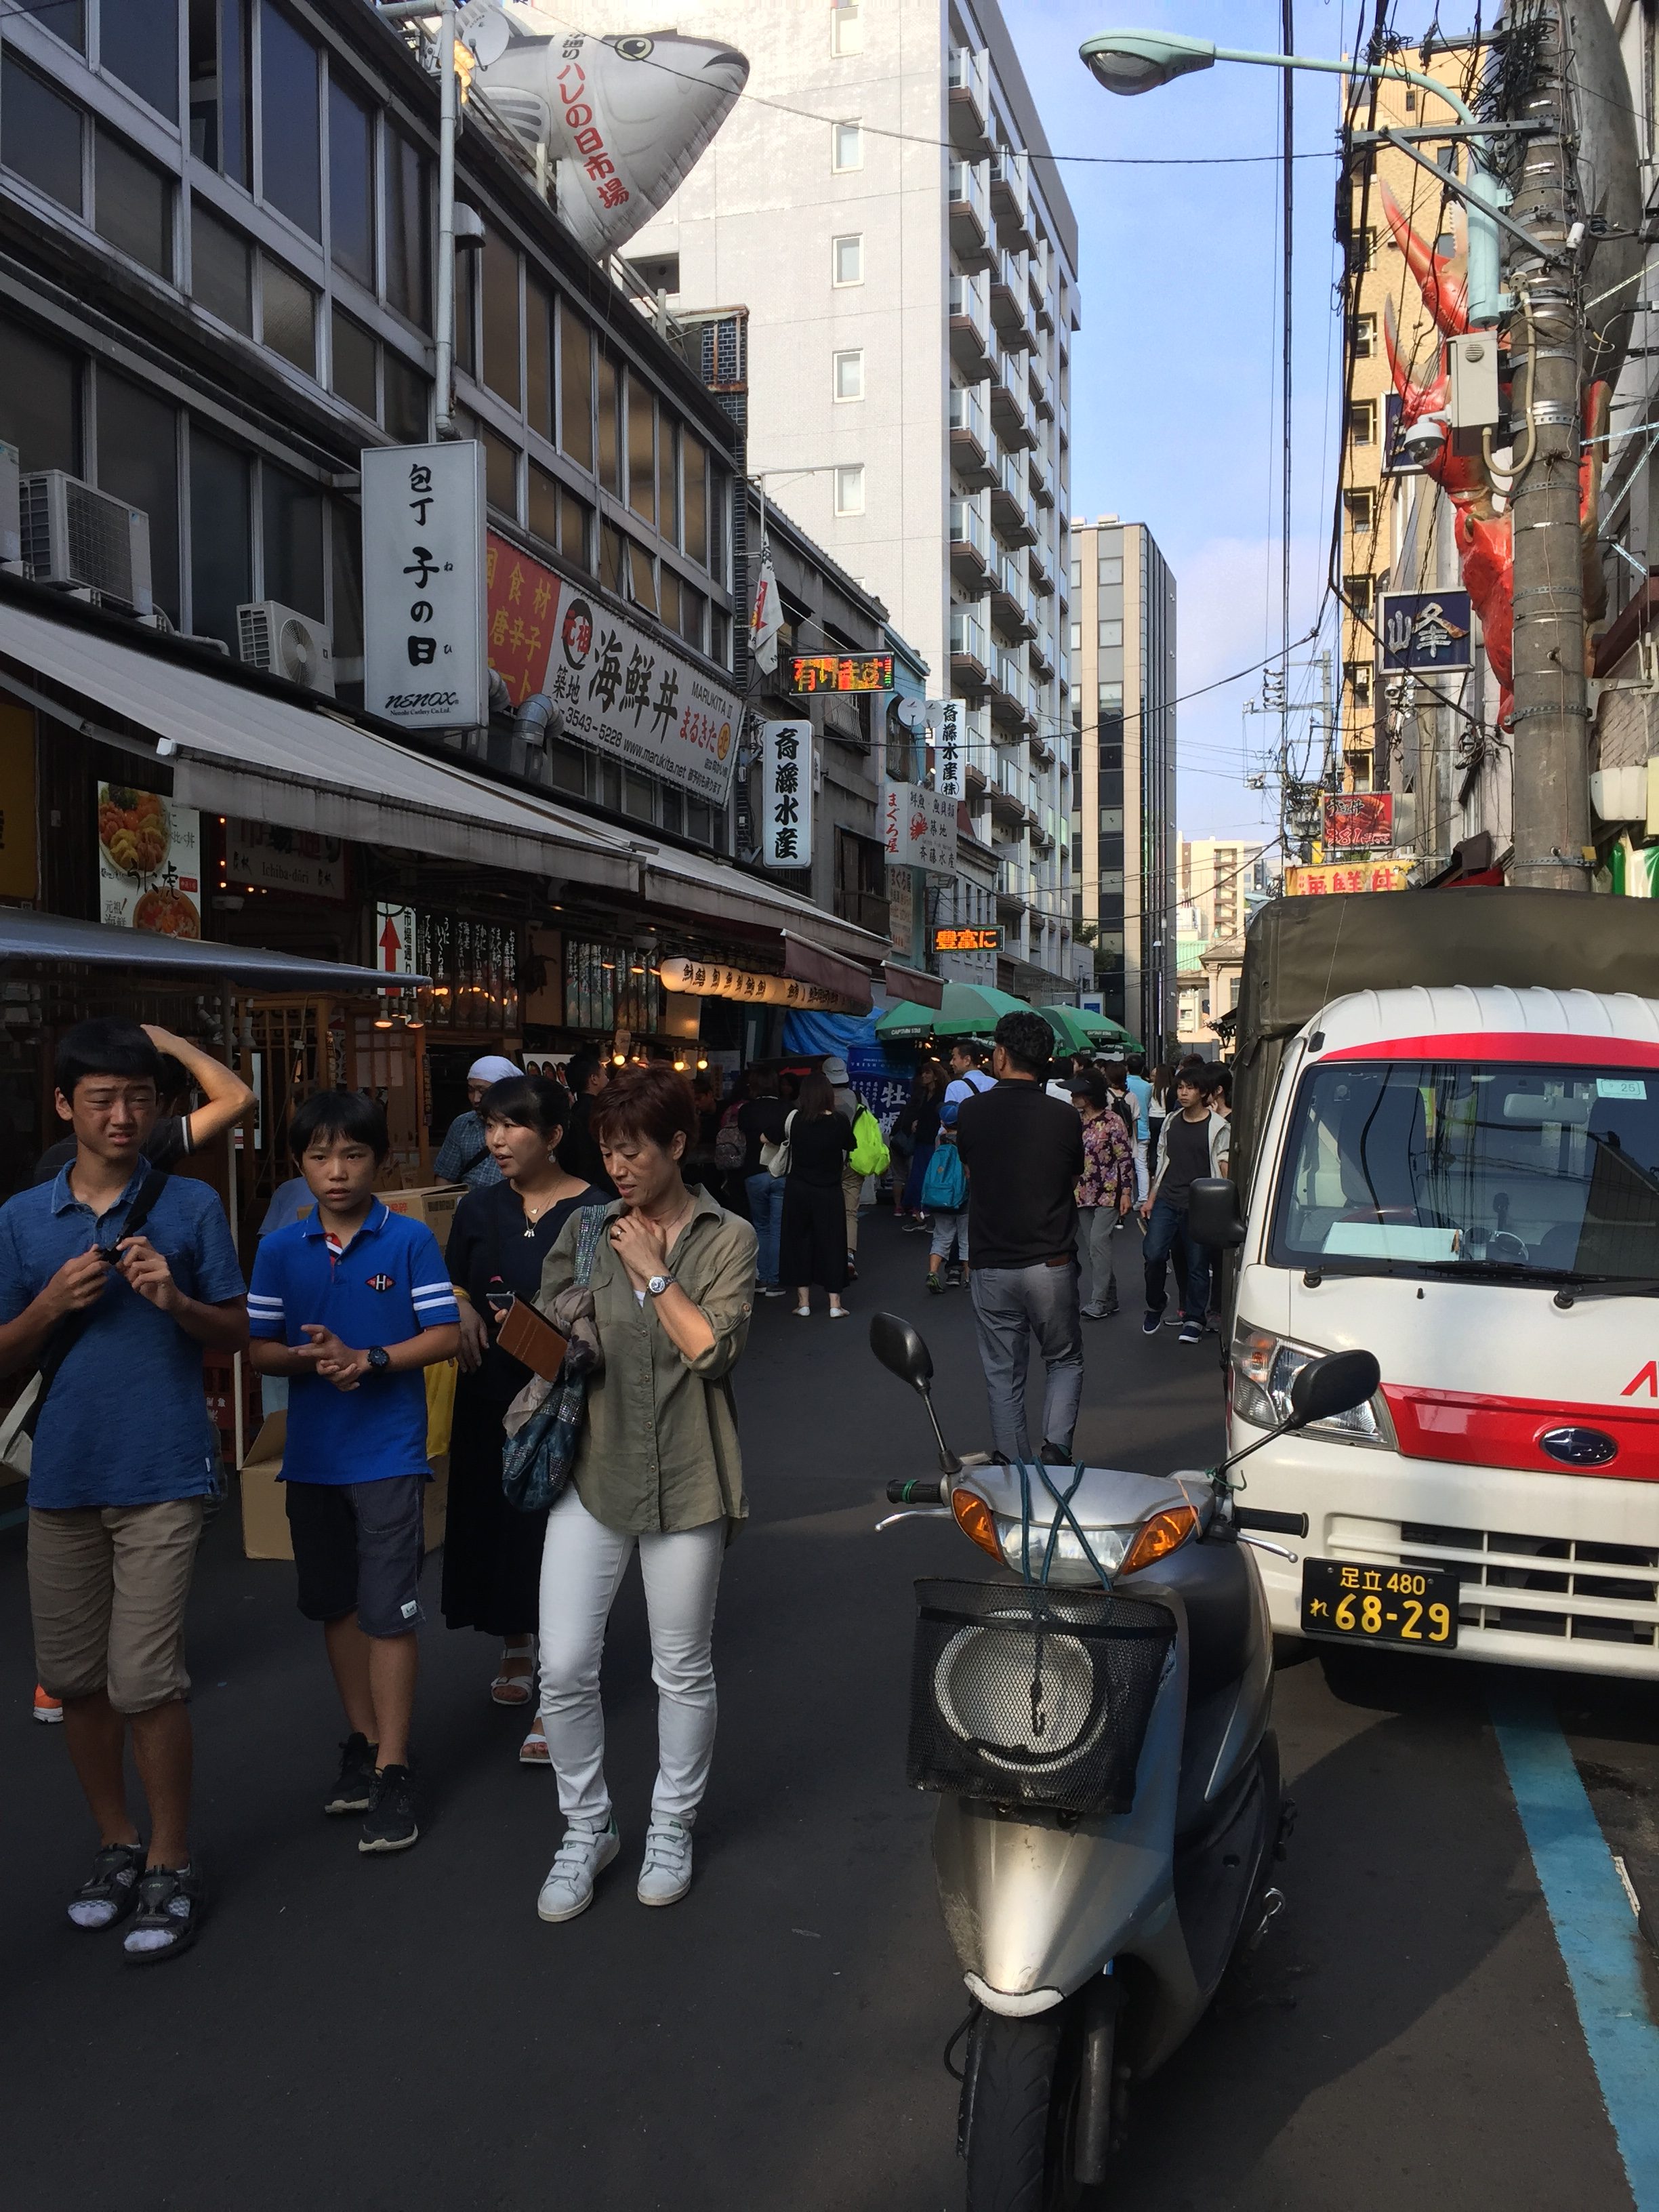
<point x="1551" y="787"/>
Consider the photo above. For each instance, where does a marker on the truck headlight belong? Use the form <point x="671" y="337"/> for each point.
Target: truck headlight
<point x="1263" y="1367"/>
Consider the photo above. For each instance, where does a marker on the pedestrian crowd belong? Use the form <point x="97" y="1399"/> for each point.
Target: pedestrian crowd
<point x="593" y="1298"/>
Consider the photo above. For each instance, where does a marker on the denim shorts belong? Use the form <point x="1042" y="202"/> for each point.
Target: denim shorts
<point x="358" y="1548"/>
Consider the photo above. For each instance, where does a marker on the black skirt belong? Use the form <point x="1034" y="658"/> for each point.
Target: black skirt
<point x="492" y="1552"/>
<point x="812" y="1245"/>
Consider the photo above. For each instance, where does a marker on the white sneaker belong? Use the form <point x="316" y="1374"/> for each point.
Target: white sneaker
<point x="666" y="1874"/>
<point x="584" y="1854"/>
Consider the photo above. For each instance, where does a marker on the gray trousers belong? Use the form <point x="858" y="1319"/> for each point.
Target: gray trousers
<point x="1095" y="1225"/>
<point x="1011" y="1305"/>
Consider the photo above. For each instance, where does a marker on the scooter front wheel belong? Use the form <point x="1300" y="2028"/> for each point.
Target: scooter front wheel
<point x="1033" y="2089"/>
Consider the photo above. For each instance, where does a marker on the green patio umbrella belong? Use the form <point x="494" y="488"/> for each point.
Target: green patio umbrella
<point x="1104" y="1030"/>
<point x="1071" y="1032"/>
<point x="970" y="1010"/>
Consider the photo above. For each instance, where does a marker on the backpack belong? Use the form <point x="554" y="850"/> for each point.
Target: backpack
<point x="870" y="1154"/>
<point x="731" y="1148"/>
<point x="945" y="1186"/>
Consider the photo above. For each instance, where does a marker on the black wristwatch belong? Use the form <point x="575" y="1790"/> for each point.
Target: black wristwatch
<point x="379" y="1358"/>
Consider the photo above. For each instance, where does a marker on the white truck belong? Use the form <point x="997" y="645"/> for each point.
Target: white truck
<point x="1446" y="1151"/>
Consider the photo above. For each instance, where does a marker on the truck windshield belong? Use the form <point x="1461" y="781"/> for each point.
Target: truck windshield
<point x="1407" y="1167"/>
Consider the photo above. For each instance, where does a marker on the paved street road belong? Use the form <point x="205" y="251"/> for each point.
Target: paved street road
<point x="404" y="2035"/>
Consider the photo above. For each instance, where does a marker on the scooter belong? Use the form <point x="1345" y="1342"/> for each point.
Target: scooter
<point x="1096" y="1722"/>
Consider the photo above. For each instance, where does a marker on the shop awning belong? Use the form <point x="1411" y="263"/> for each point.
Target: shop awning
<point x="913" y="984"/>
<point x="237" y="749"/>
<point x="815" y="963"/>
<point x="57" y="939"/>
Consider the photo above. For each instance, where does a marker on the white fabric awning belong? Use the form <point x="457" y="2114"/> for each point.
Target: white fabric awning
<point x="236" y="750"/>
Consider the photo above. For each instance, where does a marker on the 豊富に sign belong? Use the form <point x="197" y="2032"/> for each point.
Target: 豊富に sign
<point x="425" y="663"/>
<point x="786" y="795"/>
<point x="1421" y="632"/>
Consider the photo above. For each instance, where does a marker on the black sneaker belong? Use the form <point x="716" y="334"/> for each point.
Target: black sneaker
<point x="353" y="1786"/>
<point x="111" y="1890"/>
<point x="1151" y="1321"/>
<point x="388" y="1824"/>
<point x="170" y="1903"/>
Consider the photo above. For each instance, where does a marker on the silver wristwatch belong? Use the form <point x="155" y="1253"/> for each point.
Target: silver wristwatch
<point x="658" y="1284"/>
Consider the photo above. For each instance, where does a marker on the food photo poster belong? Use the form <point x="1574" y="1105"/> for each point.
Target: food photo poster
<point x="149" y="862"/>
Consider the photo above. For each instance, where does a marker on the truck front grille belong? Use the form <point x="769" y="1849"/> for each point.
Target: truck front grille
<point x="1532" y="1585"/>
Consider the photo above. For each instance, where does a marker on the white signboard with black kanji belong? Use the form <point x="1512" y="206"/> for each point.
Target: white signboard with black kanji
<point x="785" y="823"/>
<point x="425" y="661"/>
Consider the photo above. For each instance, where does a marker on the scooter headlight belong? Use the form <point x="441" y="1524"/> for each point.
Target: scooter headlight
<point x="1265" y="1365"/>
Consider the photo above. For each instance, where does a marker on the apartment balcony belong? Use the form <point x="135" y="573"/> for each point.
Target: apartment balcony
<point x="1010" y="891"/>
<point x="1037" y="476"/>
<point x="1042" y="751"/>
<point x="973" y="448"/>
<point x="970" y="325"/>
<point x="1011" y="608"/>
<point x="969" y="652"/>
<point x="972" y="231"/>
<point x="1012" y="515"/>
<point x="1011" y="195"/>
<point x="970" y="543"/>
<point x="1038" y="264"/>
<point x="1011" y="409"/>
<point x="967" y="80"/>
<point x="1038" y="570"/>
<point x="1008" y="309"/>
<point x="1010" y="693"/>
<point x="1041" y="653"/>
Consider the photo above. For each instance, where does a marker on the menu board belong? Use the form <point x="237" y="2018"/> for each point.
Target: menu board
<point x="149" y="862"/>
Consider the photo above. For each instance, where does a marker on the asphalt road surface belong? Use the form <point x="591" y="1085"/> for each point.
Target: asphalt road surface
<point x="391" y="2035"/>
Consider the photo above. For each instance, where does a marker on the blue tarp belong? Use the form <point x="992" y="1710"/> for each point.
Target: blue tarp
<point x="880" y="1074"/>
<point x="810" y="1034"/>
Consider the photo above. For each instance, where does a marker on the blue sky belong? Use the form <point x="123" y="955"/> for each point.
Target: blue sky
<point x="1173" y="375"/>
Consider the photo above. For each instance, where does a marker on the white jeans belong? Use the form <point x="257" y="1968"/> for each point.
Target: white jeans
<point x="1142" y="1181"/>
<point x="583" y="1563"/>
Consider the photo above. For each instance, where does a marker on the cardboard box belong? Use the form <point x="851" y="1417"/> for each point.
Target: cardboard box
<point x="264" y="1511"/>
<point x="435" y="1206"/>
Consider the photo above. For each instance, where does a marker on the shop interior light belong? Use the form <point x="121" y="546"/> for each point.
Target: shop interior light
<point x="619" y="1060"/>
<point x="702" y="1063"/>
<point x="679" y="1067"/>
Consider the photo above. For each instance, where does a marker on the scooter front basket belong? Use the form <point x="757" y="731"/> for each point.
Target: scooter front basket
<point x="1033" y="1698"/>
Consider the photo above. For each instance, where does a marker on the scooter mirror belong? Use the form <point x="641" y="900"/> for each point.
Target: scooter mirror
<point x="1213" y="1213"/>
<point x="1335" y="1384"/>
<point x="900" y="1349"/>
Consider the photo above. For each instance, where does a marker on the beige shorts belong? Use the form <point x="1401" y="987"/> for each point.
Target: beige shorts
<point x="107" y="1587"/>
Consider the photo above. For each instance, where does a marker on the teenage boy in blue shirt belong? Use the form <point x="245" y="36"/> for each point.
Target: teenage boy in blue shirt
<point x="124" y="1458"/>
<point x="351" y="1303"/>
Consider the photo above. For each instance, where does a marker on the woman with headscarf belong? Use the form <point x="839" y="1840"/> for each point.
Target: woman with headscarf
<point x="463" y="1155"/>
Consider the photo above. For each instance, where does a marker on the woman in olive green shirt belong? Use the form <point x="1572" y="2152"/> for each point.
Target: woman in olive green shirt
<point x="657" y="1465"/>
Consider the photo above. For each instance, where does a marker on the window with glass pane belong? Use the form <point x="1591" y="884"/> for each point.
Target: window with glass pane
<point x="694" y="471"/>
<point x="500" y="317"/>
<point x="611" y="557"/>
<point x="848" y="146"/>
<point x="849" y="374"/>
<point x="538" y="357"/>
<point x="138" y="42"/>
<point x="220" y="85"/>
<point x="642" y="577"/>
<point x="542" y="512"/>
<point x="1111" y="568"/>
<point x="39" y="135"/>
<point x="668" y="521"/>
<point x="345" y="605"/>
<point x="407" y="399"/>
<point x="1111" y="633"/>
<point x="668" y="595"/>
<point x="354" y="351"/>
<point x="132" y="203"/>
<point x="501" y="474"/>
<point x="221" y="268"/>
<point x="692" y="607"/>
<point x="39" y="400"/>
<point x="293" y="515"/>
<point x="576" y="529"/>
<point x="290" y="315"/>
<point x="221" y="535"/>
<point x="67" y="17"/>
<point x="467" y="312"/>
<point x="290" y="143"/>
<point x="847" y="260"/>
<point x="575" y="387"/>
<point x="408" y="230"/>
<point x="641" y="451"/>
<point x="351" y="185"/>
<point x="610" y="396"/>
<point x="138" y="461"/>
<point x="849" y="490"/>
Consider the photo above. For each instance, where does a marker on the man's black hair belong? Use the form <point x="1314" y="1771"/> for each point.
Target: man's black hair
<point x="970" y="1047"/>
<point x="1028" y="1041"/>
<point x="105" y="1045"/>
<point x="339" y="1114"/>
<point x="581" y="1069"/>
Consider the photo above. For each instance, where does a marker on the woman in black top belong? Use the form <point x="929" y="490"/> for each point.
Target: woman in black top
<point x="500" y="1236"/>
<point x="814" y="1238"/>
<point x="926" y="1099"/>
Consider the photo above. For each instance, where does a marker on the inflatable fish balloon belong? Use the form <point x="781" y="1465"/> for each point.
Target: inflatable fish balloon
<point x="614" y="123"/>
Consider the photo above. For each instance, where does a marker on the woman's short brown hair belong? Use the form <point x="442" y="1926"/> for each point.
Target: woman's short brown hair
<point x="652" y="1102"/>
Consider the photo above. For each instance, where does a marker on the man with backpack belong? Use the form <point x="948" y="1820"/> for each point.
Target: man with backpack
<point x="114" y="1278"/>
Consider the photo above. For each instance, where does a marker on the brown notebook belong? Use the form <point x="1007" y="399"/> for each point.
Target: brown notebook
<point x="530" y="1337"/>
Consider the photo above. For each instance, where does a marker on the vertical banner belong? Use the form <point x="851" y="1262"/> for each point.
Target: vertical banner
<point x="394" y="939"/>
<point x="947" y="717"/>
<point x="895" y="820"/>
<point x="766" y="621"/>
<point x="786" y="824"/>
<point x="919" y="828"/>
<point x="149" y="862"/>
<point x="425" y="662"/>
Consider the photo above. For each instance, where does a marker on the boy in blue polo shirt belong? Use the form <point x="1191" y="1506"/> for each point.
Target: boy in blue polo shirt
<point x="351" y="1303"/>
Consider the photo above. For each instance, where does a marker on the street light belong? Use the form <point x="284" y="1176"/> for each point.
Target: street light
<point x="1130" y="61"/>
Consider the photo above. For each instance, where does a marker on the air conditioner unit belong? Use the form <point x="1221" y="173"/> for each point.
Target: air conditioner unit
<point x="11" y="523"/>
<point x="83" y="540"/>
<point x="287" y="644"/>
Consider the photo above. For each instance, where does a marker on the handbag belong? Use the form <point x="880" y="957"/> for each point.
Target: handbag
<point x="536" y="1463"/>
<point x="774" y="1158"/>
<point x="17" y="1430"/>
<point x="945" y="1186"/>
<point x="870" y="1154"/>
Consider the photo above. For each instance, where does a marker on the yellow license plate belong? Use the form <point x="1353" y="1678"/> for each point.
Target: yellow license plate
<point x="1413" y="1607"/>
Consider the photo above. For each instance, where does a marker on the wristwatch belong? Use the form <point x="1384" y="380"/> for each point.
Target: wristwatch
<point x="379" y="1358"/>
<point x="658" y="1284"/>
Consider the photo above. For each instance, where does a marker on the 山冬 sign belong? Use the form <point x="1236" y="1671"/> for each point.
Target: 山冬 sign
<point x="425" y="661"/>
<point x="841" y="671"/>
<point x="710" y="980"/>
<point x="785" y="823"/>
<point x="273" y="859"/>
<point x="918" y="827"/>
<point x="1421" y="633"/>
<point x="964" y="936"/>
<point x="149" y="862"/>
<point x="628" y="694"/>
<point x="1357" y="820"/>
<point x="1359" y="876"/>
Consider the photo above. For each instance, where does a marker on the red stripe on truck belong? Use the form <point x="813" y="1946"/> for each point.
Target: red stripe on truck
<point x="1506" y="1044"/>
<point x="1478" y="1431"/>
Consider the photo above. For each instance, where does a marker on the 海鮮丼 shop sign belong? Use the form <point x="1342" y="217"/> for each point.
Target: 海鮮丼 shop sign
<point x="786" y="795"/>
<point x="424" y="660"/>
<point x="627" y="694"/>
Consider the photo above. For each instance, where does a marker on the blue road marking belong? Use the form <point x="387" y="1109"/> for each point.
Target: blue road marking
<point x="1594" y="1927"/>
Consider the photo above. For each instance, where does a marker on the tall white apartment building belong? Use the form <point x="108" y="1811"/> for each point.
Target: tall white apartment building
<point x="883" y="201"/>
<point x="1222" y="880"/>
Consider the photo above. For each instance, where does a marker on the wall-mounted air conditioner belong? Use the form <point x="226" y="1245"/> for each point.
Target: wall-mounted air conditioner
<point x="284" y="643"/>
<point x="83" y="540"/>
<point x="11" y="519"/>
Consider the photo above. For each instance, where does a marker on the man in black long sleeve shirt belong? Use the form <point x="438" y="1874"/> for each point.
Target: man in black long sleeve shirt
<point x="1023" y="1154"/>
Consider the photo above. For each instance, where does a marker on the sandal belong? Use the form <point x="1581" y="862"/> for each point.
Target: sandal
<point x="533" y="1751"/>
<point x="111" y="1890"/>
<point x="170" y="1900"/>
<point x="515" y="1689"/>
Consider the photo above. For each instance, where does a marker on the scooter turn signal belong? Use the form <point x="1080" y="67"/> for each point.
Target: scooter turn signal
<point x="975" y="1519"/>
<point x="1156" y="1539"/>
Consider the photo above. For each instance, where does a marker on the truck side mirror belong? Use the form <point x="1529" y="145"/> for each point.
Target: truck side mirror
<point x="1213" y="1214"/>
